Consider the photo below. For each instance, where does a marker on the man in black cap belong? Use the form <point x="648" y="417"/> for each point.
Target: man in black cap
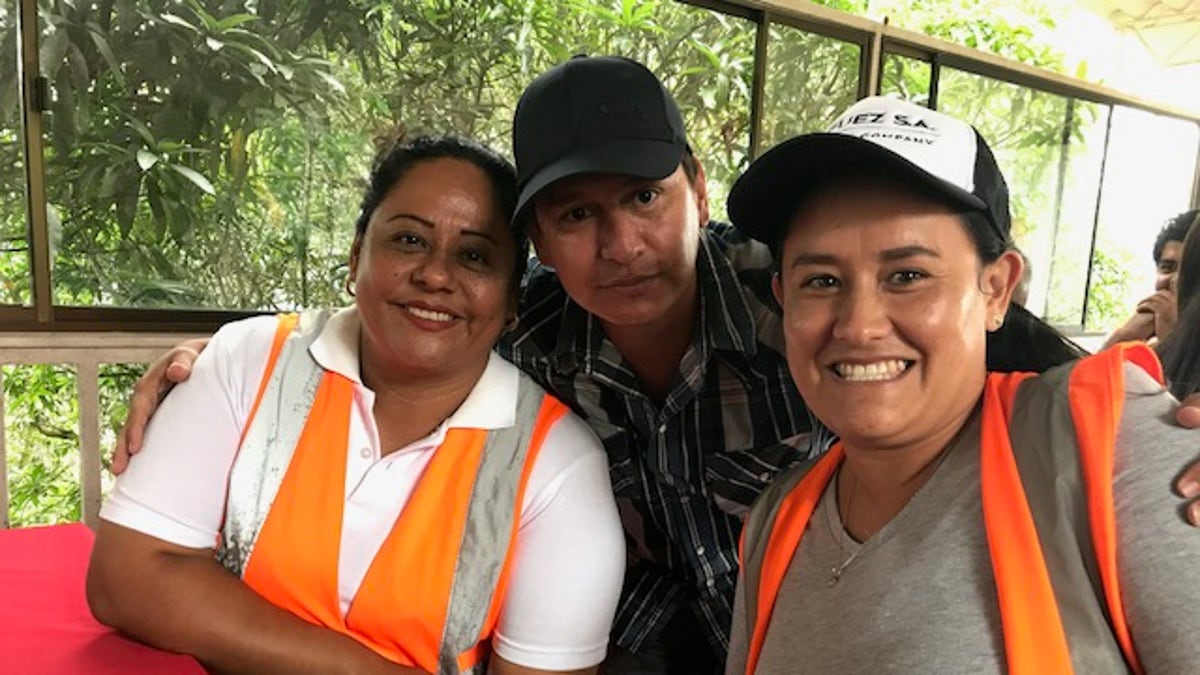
<point x="653" y="323"/>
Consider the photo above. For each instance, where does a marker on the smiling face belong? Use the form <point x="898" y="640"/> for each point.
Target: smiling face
<point x="434" y="273"/>
<point x="886" y="308"/>
<point x="624" y="247"/>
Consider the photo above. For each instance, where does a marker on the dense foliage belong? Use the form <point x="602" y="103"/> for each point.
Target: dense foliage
<point x="209" y="153"/>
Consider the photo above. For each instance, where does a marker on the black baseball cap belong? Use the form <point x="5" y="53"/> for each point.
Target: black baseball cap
<point x="595" y="114"/>
<point x="940" y="154"/>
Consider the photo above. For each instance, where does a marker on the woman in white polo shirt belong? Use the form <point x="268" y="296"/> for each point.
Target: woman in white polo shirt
<point x="374" y="490"/>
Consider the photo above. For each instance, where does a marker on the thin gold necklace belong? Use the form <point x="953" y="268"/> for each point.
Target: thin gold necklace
<point x="839" y="533"/>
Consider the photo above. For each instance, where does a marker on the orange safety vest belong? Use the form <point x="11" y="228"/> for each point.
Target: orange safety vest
<point x="1034" y="638"/>
<point x="402" y="609"/>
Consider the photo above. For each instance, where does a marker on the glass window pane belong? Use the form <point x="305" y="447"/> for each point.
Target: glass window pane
<point x="810" y="79"/>
<point x="41" y="434"/>
<point x="14" y="241"/>
<point x="906" y="78"/>
<point x="1147" y="179"/>
<point x="1083" y="157"/>
<point x="1048" y="147"/>
<point x="214" y="160"/>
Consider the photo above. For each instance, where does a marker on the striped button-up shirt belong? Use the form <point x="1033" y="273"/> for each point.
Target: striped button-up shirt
<point x="686" y="471"/>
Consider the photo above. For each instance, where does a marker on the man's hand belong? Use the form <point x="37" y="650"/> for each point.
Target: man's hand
<point x="1188" y="484"/>
<point x="169" y="370"/>
<point x="1139" y="327"/>
<point x="1162" y="306"/>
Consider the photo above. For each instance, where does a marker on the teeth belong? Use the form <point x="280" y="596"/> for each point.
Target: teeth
<point x="429" y="314"/>
<point x="871" y="372"/>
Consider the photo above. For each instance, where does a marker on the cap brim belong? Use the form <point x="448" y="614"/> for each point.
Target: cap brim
<point x="640" y="158"/>
<point x="764" y="199"/>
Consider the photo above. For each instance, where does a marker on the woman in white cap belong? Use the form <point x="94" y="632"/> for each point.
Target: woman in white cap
<point x="971" y="519"/>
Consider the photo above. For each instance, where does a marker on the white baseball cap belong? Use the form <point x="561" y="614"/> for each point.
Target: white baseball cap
<point x="875" y="136"/>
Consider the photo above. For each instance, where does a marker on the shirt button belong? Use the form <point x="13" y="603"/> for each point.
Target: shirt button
<point x="700" y="550"/>
<point x="764" y="476"/>
<point x="365" y="452"/>
<point x="710" y="583"/>
<point x="662" y="429"/>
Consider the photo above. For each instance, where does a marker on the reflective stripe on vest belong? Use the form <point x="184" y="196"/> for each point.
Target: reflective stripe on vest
<point x="432" y="605"/>
<point x="1033" y="632"/>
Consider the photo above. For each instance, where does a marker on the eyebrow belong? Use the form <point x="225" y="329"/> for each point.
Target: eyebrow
<point x="908" y="252"/>
<point x="429" y="224"/>
<point x="889" y="255"/>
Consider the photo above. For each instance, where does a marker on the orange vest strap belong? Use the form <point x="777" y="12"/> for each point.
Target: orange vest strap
<point x="1034" y="641"/>
<point x="283" y="328"/>
<point x="790" y="523"/>
<point x="295" y="558"/>
<point x="549" y="413"/>
<point x="1097" y="400"/>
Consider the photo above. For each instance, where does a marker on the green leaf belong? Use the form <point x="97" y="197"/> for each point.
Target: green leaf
<point x="53" y="51"/>
<point x="262" y="58"/>
<point x="143" y="131"/>
<point x="332" y="81"/>
<point x="108" y="185"/>
<point x="195" y="177"/>
<point x="178" y="21"/>
<point x="146" y="159"/>
<point x="233" y="21"/>
<point x="106" y="51"/>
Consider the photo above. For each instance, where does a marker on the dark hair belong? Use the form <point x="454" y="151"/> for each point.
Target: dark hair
<point x="691" y="165"/>
<point x="396" y="159"/>
<point x="1024" y="343"/>
<point x="1175" y="230"/>
<point x="1180" y="349"/>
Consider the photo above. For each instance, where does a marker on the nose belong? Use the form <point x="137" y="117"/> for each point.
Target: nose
<point x="621" y="238"/>
<point x="1165" y="282"/>
<point x="433" y="272"/>
<point x="862" y="316"/>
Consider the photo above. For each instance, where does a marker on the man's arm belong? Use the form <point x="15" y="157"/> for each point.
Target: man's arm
<point x="169" y="370"/>
<point x="182" y="600"/>
<point x="1139" y="327"/>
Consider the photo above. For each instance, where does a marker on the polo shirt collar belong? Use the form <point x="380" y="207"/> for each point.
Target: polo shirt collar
<point x="492" y="403"/>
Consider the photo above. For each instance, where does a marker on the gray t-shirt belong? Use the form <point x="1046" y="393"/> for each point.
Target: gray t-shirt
<point x="919" y="595"/>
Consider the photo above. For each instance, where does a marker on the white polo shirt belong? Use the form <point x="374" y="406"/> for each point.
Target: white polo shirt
<point x="570" y="558"/>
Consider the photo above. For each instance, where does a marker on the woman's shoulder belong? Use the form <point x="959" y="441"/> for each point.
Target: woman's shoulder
<point x="762" y="512"/>
<point x="246" y="332"/>
<point x="1137" y="376"/>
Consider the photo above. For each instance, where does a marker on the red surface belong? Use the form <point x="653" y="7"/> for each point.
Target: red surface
<point x="45" y="625"/>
